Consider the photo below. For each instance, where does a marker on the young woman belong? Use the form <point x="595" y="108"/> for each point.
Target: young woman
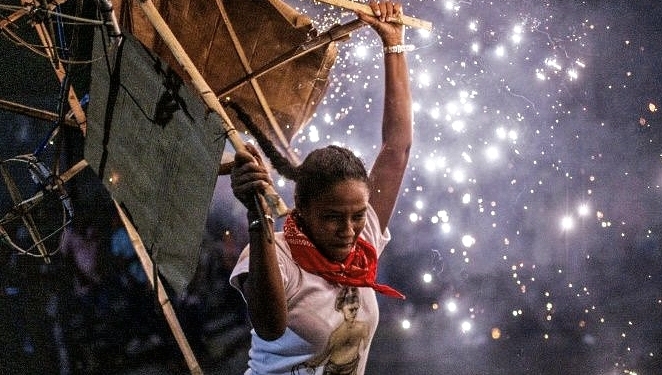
<point x="292" y="280"/>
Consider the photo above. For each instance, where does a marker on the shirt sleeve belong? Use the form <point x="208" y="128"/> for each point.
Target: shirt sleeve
<point x="372" y="232"/>
<point x="285" y="263"/>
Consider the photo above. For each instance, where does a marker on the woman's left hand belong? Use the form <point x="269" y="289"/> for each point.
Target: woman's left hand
<point x="384" y="12"/>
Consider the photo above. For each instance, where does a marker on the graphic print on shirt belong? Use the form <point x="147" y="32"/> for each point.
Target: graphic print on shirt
<point x="346" y="342"/>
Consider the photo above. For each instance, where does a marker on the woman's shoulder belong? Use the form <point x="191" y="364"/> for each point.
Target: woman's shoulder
<point x="372" y="231"/>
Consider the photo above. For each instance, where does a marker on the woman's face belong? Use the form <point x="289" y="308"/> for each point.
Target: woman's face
<point x="335" y="219"/>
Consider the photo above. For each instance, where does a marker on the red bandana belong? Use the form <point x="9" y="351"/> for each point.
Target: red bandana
<point x="359" y="268"/>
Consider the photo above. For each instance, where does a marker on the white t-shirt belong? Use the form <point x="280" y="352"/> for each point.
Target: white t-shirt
<point x="318" y="335"/>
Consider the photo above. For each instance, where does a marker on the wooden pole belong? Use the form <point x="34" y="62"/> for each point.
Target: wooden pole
<point x="60" y="71"/>
<point x="34" y="112"/>
<point x="356" y="6"/>
<point x="275" y="202"/>
<point x="161" y="294"/>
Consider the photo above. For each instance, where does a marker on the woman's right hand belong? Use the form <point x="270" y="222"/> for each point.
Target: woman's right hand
<point x="249" y="176"/>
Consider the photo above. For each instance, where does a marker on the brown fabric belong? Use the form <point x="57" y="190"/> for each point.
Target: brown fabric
<point x="266" y="29"/>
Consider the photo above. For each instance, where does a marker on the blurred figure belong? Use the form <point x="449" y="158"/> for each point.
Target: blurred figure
<point x="85" y="260"/>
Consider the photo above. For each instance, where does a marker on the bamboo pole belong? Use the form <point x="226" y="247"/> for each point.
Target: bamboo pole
<point x="275" y="202"/>
<point x="60" y="72"/>
<point x="34" y="112"/>
<point x="356" y="6"/>
<point x="161" y="294"/>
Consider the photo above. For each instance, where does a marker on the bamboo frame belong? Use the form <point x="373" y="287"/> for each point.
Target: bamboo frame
<point x="60" y="71"/>
<point x="275" y="202"/>
<point x="253" y="82"/>
<point x="81" y="122"/>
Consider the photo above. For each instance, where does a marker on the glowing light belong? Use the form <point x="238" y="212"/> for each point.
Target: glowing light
<point x="465" y="326"/>
<point x="468" y="240"/>
<point x="406" y="324"/>
<point x="541" y="75"/>
<point x="492" y="153"/>
<point x="551" y="62"/>
<point x="517" y="34"/>
<point x="459" y="176"/>
<point x="458" y="125"/>
<point x="435" y="113"/>
<point x="466" y="198"/>
<point x="361" y="51"/>
<point x="451" y="306"/>
<point x="427" y="278"/>
<point x="572" y="73"/>
<point x="567" y="223"/>
<point x="652" y="107"/>
<point x="435" y="163"/>
<point x="424" y="79"/>
<point x="413" y="217"/>
<point x="583" y="209"/>
<point x="313" y="134"/>
<point x="500" y="51"/>
<point x="443" y="215"/>
<point x="114" y="178"/>
<point x="452" y="108"/>
<point x="423" y="33"/>
<point x="496" y="333"/>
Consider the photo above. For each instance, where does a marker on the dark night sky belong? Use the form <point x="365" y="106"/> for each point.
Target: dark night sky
<point x="533" y="198"/>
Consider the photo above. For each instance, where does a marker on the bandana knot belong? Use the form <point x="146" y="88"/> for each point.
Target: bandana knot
<point x="358" y="269"/>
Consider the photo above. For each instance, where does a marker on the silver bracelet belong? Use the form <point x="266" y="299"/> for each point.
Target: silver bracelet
<point x="257" y="223"/>
<point x="398" y="48"/>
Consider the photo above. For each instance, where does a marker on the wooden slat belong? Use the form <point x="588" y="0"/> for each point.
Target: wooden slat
<point x="355" y="6"/>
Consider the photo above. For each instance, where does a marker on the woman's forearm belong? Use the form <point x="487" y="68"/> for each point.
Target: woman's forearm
<point x="263" y="288"/>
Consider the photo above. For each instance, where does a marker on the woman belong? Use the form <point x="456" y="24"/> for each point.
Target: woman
<point x="291" y="280"/>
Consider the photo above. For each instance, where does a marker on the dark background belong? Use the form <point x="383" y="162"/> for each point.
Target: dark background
<point x="571" y="112"/>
